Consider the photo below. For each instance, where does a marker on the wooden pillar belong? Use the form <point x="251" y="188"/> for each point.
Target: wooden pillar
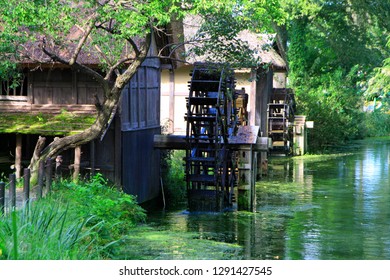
<point x="77" y="161"/>
<point x="26" y="185"/>
<point x="12" y="191"/>
<point x="252" y="99"/>
<point x="92" y="157"/>
<point x="247" y="162"/>
<point x="118" y="152"/>
<point x="2" y="198"/>
<point x="49" y="174"/>
<point x="18" y="156"/>
<point x="171" y="125"/>
<point x="41" y="173"/>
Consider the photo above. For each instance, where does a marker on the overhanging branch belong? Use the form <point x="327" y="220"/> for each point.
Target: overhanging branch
<point x="54" y="57"/>
<point x="83" y="39"/>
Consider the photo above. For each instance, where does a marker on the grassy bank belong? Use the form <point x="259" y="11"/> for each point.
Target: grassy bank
<point x="77" y="221"/>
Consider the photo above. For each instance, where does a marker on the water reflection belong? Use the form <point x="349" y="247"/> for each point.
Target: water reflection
<point x="323" y="208"/>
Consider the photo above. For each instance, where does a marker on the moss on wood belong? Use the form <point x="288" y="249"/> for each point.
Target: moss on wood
<point x="65" y="123"/>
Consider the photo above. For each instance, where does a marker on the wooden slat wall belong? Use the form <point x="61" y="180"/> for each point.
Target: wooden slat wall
<point x="62" y="86"/>
<point x="140" y="164"/>
<point x="53" y="90"/>
<point x="141" y="98"/>
<point x="140" y="115"/>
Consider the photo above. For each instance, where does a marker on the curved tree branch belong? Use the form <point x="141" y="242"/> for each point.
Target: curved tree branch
<point x="106" y="113"/>
<point x="112" y="31"/>
<point x="83" y="39"/>
<point x="54" y="57"/>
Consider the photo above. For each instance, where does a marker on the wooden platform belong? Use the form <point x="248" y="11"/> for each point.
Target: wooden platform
<point x="245" y="138"/>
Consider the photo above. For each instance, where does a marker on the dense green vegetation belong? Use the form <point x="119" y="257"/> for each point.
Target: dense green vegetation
<point x="86" y="220"/>
<point x="335" y="52"/>
<point x="172" y="173"/>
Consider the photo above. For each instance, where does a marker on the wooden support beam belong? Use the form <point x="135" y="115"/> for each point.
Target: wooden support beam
<point x="26" y="185"/>
<point x="41" y="174"/>
<point x="2" y="198"/>
<point x="171" y="125"/>
<point x="18" y="156"/>
<point x="92" y="157"/>
<point x="178" y="142"/>
<point x="12" y="191"/>
<point x="77" y="161"/>
<point x="170" y="142"/>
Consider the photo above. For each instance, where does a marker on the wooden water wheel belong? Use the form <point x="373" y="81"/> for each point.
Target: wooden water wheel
<point x="211" y="119"/>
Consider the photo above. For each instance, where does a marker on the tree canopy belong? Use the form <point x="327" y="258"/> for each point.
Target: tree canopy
<point x="333" y="50"/>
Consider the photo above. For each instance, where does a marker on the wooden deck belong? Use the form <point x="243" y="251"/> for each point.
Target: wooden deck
<point x="178" y="142"/>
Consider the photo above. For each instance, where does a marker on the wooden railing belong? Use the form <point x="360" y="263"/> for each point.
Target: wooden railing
<point x="17" y="199"/>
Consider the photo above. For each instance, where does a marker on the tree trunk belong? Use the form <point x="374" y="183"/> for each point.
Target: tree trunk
<point x="105" y="113"/>
<point x="34" y="163"/>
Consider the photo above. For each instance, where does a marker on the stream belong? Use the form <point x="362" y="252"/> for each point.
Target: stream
<point x="313" y="207"/>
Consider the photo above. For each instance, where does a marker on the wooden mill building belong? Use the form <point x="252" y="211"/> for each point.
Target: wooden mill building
<point x="53" y="100"/>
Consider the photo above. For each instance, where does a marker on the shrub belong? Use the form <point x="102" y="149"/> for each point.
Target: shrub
<point x="86" y="220"/>
<point x="173" y="172"/>
<point x="376" y="124"/>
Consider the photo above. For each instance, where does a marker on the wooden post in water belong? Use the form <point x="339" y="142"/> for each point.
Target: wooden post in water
<point x="41" y="173"/>
<point x="2" y="198"/>
<point x="26" y="185"/>
<point x="12" y="191"/>
<point x="247" y="162"/>
<point x="49" y="174"/>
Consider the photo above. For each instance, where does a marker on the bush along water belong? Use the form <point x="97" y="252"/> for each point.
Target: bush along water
<point x="86" y="220"/>
<point x="172" y="172"/>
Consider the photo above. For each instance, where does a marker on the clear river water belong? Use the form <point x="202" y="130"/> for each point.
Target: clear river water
<point x="314" y="207"/>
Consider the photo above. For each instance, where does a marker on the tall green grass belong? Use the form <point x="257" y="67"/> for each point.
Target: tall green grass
<point x="45" y="231"/>
<point x="86" y="220"/>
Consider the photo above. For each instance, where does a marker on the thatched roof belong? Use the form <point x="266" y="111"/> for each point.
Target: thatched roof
<point x="260" y="44"/>
<point x="89" y="55"/>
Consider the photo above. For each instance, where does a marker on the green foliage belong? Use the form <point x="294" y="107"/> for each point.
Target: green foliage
<point x="45" y="231"/>
<point x="379" y="84"/>
<point x="377" y="124"/>
<point x="173" y="178"/>
<point x="104" y="202"/>
<point x="332" y="103"/>
<point x="78" y="221"/>
<point x="333" y="48"/>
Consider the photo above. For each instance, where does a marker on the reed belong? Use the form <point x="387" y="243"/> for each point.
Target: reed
<point x="45" y="232"/>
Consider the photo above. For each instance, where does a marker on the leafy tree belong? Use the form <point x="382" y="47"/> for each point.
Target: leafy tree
<point x="62" y="31"/>
<point x="333" y="47"/>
